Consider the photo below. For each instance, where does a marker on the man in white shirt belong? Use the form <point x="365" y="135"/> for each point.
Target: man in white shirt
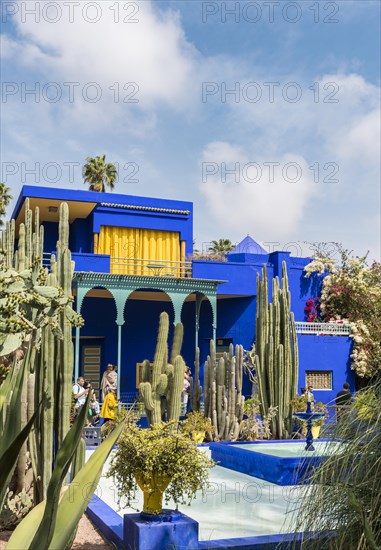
<point x="80" y="393"/>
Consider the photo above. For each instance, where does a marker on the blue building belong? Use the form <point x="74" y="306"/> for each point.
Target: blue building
<point x="132" y="261"/>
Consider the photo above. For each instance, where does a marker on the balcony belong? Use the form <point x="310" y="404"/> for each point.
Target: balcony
<point x="104" y="263"/>
<point x="322" y="329"/>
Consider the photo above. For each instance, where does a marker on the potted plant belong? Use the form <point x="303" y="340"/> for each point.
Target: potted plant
<point x="159" y="460"/>
<point x="197" y="426"/>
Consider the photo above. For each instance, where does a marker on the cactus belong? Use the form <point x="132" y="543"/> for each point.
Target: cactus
<point x="224" y="402"/>
<point x="161" y="388"/>
<point x="276" y="352"/>
<point x="196" y="391"/>
<point x="36" y="315"/>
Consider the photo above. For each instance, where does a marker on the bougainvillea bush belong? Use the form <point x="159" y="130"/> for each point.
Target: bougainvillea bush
<point x="351" y="293"/>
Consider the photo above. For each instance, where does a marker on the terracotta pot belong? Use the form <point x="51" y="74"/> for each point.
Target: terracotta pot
<point x="153" y="490"/>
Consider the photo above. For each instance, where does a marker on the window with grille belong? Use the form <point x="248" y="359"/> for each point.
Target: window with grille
<point x="319" y="379"/>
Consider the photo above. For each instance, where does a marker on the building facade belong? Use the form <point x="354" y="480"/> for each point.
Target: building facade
<point x="133" y="260"/>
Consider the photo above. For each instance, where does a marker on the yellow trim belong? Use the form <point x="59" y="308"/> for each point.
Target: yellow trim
<point x="96" y="240"/>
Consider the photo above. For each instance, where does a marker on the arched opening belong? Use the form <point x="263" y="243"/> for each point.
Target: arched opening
<point x="205" y="326"/>
<point x="139" y="334"/>
<point x="98" y="336"/>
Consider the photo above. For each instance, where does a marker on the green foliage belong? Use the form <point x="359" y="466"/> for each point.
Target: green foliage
<point x="195" y="423"/>
<point x="222" y="246"/>
<point x="15" y="508"/>
<point x="216" y="253"/>
<point x="99" y="174"/>
<point x="5" y="199"/>
<point x="4" y="369"/>
<point x="65" y="454"/>
<point x="27" y="304"/>
<point x="160" y="451"/>
<point x="345" y="491"/>
<point x="365" y="404"/>
<point x="12" y="434"/>
<point x="122" y="415"/>
<point x="72" y="504"/>
<point x="253" y="426"/>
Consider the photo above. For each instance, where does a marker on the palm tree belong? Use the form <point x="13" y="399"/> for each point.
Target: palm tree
<point x="222" y="246"/>
<point x="5" y="199"/>
<point x="98" y="173"/>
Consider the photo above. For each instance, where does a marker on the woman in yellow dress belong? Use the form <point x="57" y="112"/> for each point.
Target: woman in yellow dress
<point x="109" y="407"/>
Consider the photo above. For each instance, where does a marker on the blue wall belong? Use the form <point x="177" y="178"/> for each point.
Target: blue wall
<point x="50" y="236"/>
<point x="236" y="320"/>
<point x="81" y="235"/>
<point x="326" y="353"/>
<point x="241" y="277"/>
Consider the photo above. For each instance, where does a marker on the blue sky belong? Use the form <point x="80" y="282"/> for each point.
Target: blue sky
<point x="300" y="165"/>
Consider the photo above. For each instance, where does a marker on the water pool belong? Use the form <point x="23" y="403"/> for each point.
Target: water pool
<point x="284" y="463"/>
<point x="292" y="449"/>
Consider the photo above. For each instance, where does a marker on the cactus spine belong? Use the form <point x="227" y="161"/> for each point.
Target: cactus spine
<point x="276" y="350"/>
<point x="161" y="388"/>
<point x="223" y="401"/>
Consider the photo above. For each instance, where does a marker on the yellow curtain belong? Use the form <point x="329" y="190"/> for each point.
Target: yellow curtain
<point x="141" y="251"/>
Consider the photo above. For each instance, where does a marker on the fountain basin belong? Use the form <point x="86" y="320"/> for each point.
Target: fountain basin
<point x="309" y="416"/>
<point x="281" y="462"/>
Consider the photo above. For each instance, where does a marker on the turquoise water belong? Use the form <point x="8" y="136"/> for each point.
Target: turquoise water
<point x="293" y="450"/>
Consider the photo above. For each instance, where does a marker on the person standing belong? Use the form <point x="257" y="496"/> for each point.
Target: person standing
<point x="94" y="408"/>
<point x="80" y="394"/>
<point x="185" y="392"/>
<point x="109" y="380"/>
<point x="109" y="406"/>
<point x="344" y="396"/>
<point x="310" y="395"/>
<point x="343" y="400"/>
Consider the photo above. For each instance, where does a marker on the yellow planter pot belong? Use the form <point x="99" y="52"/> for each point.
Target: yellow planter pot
<point x="315" y="431"/>
<point x="153" y="490"/>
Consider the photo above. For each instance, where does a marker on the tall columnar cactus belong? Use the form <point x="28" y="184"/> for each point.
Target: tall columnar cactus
<point x="37" y="316"/>
<point x="276" y="352"/>
<point x="196" y="391"/>
<point x="223" y="400"/>
<point x="162" y="385"/>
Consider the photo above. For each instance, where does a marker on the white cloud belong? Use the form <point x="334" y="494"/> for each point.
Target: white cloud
<point x="259" y="199"/>
<point x="152" y="52"/>
<point x="342" y="141"/>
